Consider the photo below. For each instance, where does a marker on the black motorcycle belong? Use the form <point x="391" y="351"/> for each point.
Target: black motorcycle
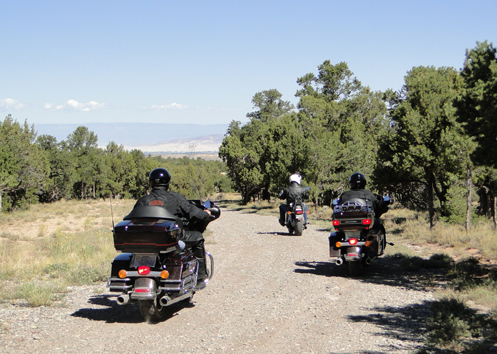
<point x="294" y="219"/>
<point x="155" y="268"/>
<point x="359" y="238"/>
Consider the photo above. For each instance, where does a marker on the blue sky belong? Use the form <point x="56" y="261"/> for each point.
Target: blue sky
<point x="202" y="62"/>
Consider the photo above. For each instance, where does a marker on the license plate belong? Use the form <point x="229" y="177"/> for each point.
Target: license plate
<point x="143" y="260"/>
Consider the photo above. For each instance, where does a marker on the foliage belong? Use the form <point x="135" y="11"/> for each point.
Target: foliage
<point x="333" y="133"/>
<point x="425" y="145"/>
<point x="43" y="170"/>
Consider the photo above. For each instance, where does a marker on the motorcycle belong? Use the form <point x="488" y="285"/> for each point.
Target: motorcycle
<point x="294" y="219"/>
<point x="155" y="268"/>
<point x="359" y="238"/>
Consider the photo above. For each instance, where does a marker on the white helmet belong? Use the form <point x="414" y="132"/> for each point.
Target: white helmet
<point x="295" y="178"/>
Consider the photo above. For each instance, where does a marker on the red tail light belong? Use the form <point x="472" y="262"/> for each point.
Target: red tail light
<point x="143" y="270"/>
<point x="336" y="222"/>
<point x="353" y="241"/>
<point x="299" y="212"/>
<point x="367" y="221"/>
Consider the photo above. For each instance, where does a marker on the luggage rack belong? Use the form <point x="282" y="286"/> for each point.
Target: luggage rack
<point x="353" y="215"/>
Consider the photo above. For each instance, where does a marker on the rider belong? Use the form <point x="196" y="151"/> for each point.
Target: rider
<point x="357" y="183"/>
<point x="293" y="191"/>
<point x="181" y="207"/>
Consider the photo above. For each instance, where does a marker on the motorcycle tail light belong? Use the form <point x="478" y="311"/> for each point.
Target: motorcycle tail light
<point x="336" y="222"/>
<point x="353" y="241"/>
<point x="122" y="274"/>
<point x="143" y="270"/>
<point x="367" y="221"/>
<point x="164" y="274"/>
<point x="299" y="212"/>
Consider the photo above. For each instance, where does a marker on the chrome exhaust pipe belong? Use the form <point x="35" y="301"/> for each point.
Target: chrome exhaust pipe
<point x="369" y="260"/>
<point x="164" y="300"/>
<point x="339" y="262"/>
<point x="123" y="299"/>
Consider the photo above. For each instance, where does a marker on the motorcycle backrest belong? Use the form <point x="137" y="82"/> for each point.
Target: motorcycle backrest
<point x="150" y="212"/>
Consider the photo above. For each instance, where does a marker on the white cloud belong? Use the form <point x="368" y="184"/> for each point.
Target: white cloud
<point x="172" y="106"/>
<point x="9" y="103"/>
<point x="75" y="105"/>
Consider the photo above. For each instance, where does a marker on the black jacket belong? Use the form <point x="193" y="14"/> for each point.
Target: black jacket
<point x="174" y="202"/>
<point x="293" y="191"/>
<point x="376" y="201"/>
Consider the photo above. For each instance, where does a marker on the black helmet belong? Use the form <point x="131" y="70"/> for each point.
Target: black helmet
<point x="357" y="181"/>
<point x="159" y="177"/>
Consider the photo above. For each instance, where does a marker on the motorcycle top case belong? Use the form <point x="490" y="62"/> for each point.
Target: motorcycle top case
<point x="351" y="215"/>
<point x="148" y="229"/>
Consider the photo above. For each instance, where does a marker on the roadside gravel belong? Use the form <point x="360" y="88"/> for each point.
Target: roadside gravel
<point x="271" y="293"/>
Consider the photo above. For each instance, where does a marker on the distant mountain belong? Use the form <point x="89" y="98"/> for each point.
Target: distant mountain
<point x="191" y="146"/>
<point x="153" y="136"/>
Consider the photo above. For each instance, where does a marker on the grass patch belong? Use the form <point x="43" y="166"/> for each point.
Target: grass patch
<point x="60" y="259"/>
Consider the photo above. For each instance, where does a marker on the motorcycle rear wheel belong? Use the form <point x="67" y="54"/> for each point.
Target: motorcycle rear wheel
<point x="150" y="310"/>
<point x="299" y="228"/>
<point x="355" y="268"/>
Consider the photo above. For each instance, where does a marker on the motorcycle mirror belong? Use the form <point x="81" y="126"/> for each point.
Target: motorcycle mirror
<point x="335" y="202"/>
<point x="386" y="198"/>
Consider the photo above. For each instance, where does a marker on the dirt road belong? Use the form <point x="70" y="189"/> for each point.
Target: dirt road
<point x="271" y="293"/>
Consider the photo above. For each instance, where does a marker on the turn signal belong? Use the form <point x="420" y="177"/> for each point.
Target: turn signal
<point x="164" y="274"/>
<point x="353" y="241"/>
<point x="122" y="274"/>
<point x="367" y="243"/>
<point x="338" y="244"/>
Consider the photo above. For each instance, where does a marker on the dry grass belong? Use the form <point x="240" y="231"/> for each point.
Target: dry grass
<point x="50" y="247"/>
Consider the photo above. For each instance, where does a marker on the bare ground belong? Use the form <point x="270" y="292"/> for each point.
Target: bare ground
<point x="271" y="293"/>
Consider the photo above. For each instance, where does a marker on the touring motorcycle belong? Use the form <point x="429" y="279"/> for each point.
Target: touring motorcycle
<point x="359" y="238"/>
<point x="155" y="268"/>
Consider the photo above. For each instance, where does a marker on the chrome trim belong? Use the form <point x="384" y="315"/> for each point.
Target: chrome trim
<point x="347" y="244"/>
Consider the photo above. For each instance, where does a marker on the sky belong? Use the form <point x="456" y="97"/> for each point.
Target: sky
<point x="201" y="62"/>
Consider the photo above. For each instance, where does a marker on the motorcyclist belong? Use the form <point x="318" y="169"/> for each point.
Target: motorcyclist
<point x="357" y="183"/>
<point x="181" y="207"/>
<point x="290" y="193"/>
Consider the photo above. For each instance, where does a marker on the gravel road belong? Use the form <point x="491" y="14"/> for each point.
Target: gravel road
<point x="271" y="293"/>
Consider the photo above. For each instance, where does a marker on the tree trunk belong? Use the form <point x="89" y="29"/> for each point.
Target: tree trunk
<point x="495" y="209"/>
<point x="468" y="199"/>
<point x="431" y="210"/>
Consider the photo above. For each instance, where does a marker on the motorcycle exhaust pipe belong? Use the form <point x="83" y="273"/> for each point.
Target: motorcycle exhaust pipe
<point x="123" y="299"/>
<point x="164" y="300"/>
<point x="339" y="262"/>
<point x="369" y="260"/>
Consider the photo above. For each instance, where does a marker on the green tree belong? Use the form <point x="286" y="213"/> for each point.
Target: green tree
<point x="269" y="105"/>
<point x="82" y="145"/>
<point x="23" y="166"/>
<point x="342" y="121"/>
<point x="59" y="182"/>
<point x="425" y="146"/>
<point x="476" y="110"/>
